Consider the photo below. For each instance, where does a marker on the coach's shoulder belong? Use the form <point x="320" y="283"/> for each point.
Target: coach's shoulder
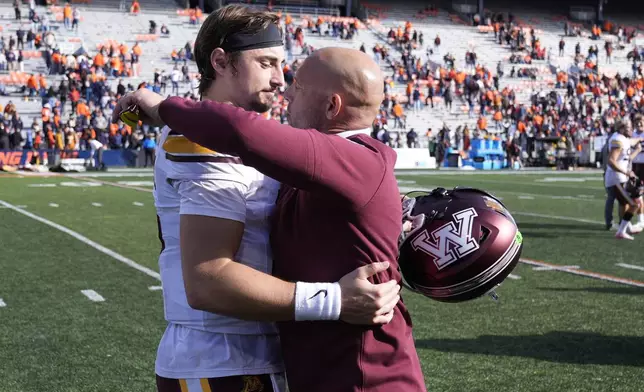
<point x="388" y="154"/>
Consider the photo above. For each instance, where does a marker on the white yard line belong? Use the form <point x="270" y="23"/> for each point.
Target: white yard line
<point x="155" y="288"/>
<point x="53" y="205"/>
<point x="108" y="175"/>
<point x="530" y="184"/>
<point x="120" y="185"/>
<point x="42" y="185"/>
<point x="85" y="240"/>
<point x="588" y="274"/>
<point x="555" y="217"/>
<point x="97" y="204"/>
<point x="563" y="267"/>
<point x="406" y="189"/>
<point x="93" y="295"/>
<point x="519" y="173"/>
<point x="630" y="266"/>
<point x="138" y="204"/>
<point x="513" y="276"/>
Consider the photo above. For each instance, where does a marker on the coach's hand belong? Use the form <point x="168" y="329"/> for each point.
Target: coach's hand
<point x="148" y="104"/>
<point x="364" y="302"/>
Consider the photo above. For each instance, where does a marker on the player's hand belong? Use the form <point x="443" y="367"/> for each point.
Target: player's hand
<point x="632" y="174"/>
<point x="147" y="102"/>
<point x="364" y="302"/>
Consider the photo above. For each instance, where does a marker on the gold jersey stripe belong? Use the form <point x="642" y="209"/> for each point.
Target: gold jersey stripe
<point x="183" y="385"/>
<point x="205" y="386"/>
<point x="181" y="145"/>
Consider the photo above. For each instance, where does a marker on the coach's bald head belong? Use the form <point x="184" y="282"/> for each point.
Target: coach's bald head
<point x="335" y="89"/>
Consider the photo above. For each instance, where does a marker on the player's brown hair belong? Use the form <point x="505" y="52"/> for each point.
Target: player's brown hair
<point x="231" y="19"/>
<point x="620" y="126"/>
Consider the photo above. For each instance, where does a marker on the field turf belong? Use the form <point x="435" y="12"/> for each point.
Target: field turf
<point x="551" y="330"/>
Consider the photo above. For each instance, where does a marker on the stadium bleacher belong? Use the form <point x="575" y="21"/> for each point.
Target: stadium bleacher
<point x="112" y="23"/>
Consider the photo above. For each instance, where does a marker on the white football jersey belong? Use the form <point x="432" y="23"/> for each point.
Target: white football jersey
<point x="190" y="179"/>
<point x="622" y="142"/>
<point x="639" y="158"/>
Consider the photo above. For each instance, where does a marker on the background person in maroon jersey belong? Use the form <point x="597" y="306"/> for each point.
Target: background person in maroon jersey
<point x="338" y="208"/>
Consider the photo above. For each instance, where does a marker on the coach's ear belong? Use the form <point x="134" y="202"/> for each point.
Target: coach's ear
<point x="334" y="105"/>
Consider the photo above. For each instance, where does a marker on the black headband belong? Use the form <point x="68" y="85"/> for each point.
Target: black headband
<point x="265" y="38"/>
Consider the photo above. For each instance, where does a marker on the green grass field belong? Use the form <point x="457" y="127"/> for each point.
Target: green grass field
<point x="550" y="331"/>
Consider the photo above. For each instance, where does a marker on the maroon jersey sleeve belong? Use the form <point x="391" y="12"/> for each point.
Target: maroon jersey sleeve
<point x="302" y="158"/>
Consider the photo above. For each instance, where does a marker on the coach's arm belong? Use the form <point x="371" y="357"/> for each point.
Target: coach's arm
<point x="214" y="282"/>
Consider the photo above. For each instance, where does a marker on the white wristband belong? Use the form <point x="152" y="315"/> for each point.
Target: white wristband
<point x="317" y="301"/>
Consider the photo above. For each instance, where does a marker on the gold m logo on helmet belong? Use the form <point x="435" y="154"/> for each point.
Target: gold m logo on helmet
<point x="449" y="243"/>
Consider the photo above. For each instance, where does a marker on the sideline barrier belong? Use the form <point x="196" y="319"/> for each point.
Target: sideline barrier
<point x="128" y="158"/>
<point x="408" y="158"/>
<point x="414" y="158"/>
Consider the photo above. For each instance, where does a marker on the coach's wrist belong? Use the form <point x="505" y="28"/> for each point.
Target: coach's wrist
<point x="317" y="301"/>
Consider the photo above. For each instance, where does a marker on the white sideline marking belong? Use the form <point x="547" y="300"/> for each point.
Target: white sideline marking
<point x="2" y="304"/>
<point x="563" y="179"/>
<point x="53" y="205"/>
<point x="536" y="184"/>
<point x="519" y="173"/>
<point x="588" y="274"/>
<point x="42" y="185"/>
<point x="108" y="175"/>
<point x="406" y="189"/>
<point x="586" y="196"/>
<point x="563" y="267"/>
<point x="565" y="218"/>
<point x="93" y="295"/>
<point x="80" y="184"/>
<point x="97" y="204"/>
<point x="85" y="240"/>
<point x="155" y="288"/>
<point x="120" y="185"/>
<point x="137" y="183"/>
<point x="524" y="197"/>
<point x="630" y="266"/>
<point x="513" y="276"/>
<point x="138" y="204"/>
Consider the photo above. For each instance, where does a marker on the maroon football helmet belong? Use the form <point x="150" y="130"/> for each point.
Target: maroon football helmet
<point x="457" y="244"/>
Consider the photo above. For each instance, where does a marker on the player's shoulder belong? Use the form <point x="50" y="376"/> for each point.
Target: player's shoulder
<point x="181" y="158"/>
<point x="618" y="138"/>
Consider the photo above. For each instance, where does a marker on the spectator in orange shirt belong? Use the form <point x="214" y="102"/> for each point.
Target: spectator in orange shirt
<point x="398" y="113"/>
<point x="135" y="8"/>
<point x="482" y="123"/>
<point x="67" y="16"/>
<point x="32" y="85"/>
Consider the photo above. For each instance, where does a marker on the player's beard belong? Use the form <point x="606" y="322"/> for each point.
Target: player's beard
<point x="261" y="103"/>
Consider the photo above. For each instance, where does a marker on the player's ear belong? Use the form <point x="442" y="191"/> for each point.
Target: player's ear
<point x="219" y="60"/>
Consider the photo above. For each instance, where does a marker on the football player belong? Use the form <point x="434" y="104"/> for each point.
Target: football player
<point x="618" y="172"/>
<point x="638" y="162"/>
<point x="215" y="263"/>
